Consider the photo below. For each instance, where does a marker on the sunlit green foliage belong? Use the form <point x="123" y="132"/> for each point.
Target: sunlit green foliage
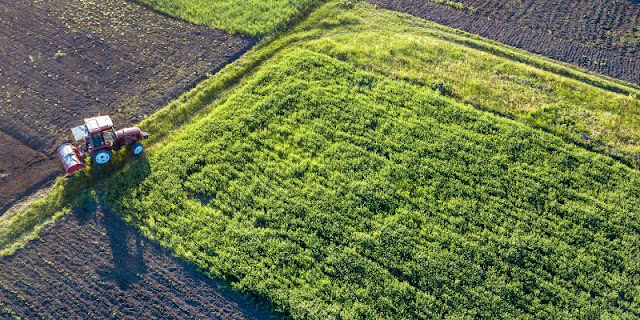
<point x="248" y="17"/>
<point x="456" y="5"/>
<point x="590" y="111"/>
<point x="335" y="192"/>
<point x="598" y="113"/>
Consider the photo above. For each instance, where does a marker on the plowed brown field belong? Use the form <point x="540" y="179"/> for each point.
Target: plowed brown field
<point x="63" y="60"/>
<point x="91" y="265"/>
<point x="603" y="36"/>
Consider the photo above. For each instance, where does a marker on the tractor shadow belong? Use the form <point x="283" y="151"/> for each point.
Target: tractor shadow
<point x="127" y="251"/>
<point x="81" y="191"/>
<point x="126" y="243"/>
<point x="132" y="256"/>
<point x="86" y="196"/>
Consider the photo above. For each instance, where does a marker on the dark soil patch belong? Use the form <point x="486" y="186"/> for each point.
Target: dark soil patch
<point x="17" y="164"/>
<point x="91" y="265"/>
<point x="603" y="36"/>
<point x="64" y="60"/>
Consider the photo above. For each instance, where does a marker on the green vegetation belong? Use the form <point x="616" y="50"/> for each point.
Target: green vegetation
<point x="598" y="113"/>
<point x="334" y="192"/>
<point x="593" y="112"/>
<point x="20" y="226"/>
<point x="59" y="54"/>
<point x="348" y="168"/>
<point x="248" y="17"/>
<point x="351" y="188"/>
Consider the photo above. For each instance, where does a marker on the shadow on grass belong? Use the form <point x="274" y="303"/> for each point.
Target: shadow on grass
<point x="80" y="191"/>
<point x="88" y="205"/>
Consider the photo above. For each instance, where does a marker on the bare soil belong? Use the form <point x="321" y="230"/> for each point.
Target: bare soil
<point x="64" y="60"/>
<point x="17" y="164"/>
<point x="91" y="265"/>
<point x="602" y="36"/>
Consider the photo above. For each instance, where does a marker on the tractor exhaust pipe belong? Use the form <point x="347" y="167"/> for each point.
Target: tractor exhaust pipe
<point x="70" y="157"/>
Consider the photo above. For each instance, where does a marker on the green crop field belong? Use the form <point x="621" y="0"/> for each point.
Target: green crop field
<point x="248" y="17"/>
<point x="367" y="164"/>
<point x="337" y="183"/>
<point x="334" y="192"/>
<point x="597" y="113"/>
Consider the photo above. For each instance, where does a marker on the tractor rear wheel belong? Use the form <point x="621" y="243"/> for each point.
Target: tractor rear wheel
<point x="102" y="156"/>
<point x="137" y="148"/>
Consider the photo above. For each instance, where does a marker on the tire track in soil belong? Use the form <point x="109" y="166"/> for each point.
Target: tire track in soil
<point x="93" y="265"/>
<point x="585" y="33"/>
<point x="65" y="60"/>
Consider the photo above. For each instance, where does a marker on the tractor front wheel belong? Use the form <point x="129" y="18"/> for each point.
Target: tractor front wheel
<point x="102" y="156"/>
<point x="137" y="148"/>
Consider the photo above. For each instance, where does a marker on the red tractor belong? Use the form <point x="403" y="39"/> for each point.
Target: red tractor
<point x="100" y="140"/>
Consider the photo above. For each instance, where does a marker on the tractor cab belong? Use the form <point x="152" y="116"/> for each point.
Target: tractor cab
<point x="92" y="132"/>
<point x="100" y="133"/>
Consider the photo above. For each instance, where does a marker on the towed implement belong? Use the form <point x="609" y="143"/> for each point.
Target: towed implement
<point x="98" y="139"/>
